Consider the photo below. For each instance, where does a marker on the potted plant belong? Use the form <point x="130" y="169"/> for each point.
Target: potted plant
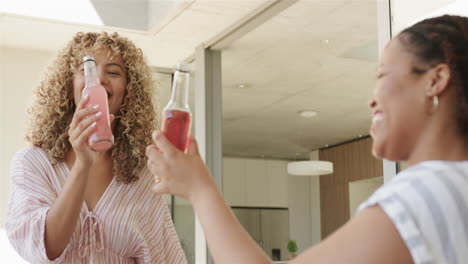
<point x="292" y="249"/>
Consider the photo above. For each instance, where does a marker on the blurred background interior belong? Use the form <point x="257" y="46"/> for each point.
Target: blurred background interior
<point x="273" y="82"/>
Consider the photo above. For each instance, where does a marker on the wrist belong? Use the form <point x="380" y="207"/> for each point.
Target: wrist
<point x="81" y="165"/>
<point x="203" y="191"/>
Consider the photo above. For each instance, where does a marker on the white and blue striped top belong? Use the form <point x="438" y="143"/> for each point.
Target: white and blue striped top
<point x="428" y="204"/>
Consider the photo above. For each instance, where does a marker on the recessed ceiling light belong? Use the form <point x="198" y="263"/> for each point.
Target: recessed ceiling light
<point x="307" y="113"/>
<point x="325" y="41"/>
<point x="241" y="86"/>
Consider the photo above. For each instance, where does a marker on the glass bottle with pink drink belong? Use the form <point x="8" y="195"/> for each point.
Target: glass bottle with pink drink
<point x="101" y="139"/>
<point x="177" y="118"/>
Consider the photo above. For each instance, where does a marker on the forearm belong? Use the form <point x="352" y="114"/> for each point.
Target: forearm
<point x="186" y="175"/>
<point x="63" y="215"/>
<point x="227" y="239"/>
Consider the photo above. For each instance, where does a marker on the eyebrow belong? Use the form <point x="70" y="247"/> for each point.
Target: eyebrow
<point x="115" y="64"/>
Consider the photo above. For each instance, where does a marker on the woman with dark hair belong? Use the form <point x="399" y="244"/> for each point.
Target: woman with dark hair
<point x="420" y="115"/>
<point x="69" y="204"/>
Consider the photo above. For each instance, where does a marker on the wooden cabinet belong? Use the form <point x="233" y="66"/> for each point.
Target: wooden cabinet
<point x="255" y="182"/>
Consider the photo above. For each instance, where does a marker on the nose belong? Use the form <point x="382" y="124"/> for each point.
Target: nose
<point x="372" y="103"/>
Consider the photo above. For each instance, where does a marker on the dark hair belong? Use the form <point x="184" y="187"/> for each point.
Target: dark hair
<point x="443" y="40"/>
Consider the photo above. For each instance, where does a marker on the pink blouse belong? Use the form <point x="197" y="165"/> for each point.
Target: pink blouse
<point x="130" y="223"/>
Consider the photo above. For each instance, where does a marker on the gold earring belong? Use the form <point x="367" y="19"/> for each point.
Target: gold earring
<point x="435" y="101"/>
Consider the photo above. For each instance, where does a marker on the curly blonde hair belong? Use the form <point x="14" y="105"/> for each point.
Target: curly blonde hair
<point x="54" y="106"/>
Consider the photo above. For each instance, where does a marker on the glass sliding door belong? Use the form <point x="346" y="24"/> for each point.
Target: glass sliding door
<point x="181" y="211"/>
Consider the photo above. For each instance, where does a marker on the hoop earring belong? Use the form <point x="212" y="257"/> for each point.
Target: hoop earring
<point x="435" y="101"/>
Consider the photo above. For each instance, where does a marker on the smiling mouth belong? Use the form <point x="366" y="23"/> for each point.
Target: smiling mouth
<point x="377" y="118"/>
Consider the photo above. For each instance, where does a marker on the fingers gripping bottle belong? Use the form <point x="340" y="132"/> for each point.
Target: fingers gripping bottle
<point x="177" y="118"/>
<point x="101" y="139"/>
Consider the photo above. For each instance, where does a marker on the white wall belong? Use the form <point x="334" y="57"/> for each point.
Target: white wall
<point x="316" y="231"/>
<point x="407" y="12"/>
<point x="304" y="209"/>
<point x="300" y="228"/>
<point x="3" y="183"/>
<point x="21" y="71"/>
<point x="360" y="191"/>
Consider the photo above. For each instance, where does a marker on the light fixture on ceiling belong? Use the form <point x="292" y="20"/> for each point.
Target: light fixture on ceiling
<point x="310" y="168"/>
<point x="242" y="86"/>
<point x="307" y="113"/>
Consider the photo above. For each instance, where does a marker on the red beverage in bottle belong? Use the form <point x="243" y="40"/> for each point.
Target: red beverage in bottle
<point x="176" y="127"/>
<point x="177" y="119"/>
<point x="101" y="139"/>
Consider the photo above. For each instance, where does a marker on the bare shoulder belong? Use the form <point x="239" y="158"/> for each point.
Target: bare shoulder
<point x="368" y="238"/>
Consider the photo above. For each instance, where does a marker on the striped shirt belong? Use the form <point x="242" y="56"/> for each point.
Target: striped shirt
<point x="130" y="223"/>
<point x="428" y="204"/>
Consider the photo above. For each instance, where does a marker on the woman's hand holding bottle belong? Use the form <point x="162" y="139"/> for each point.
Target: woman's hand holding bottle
<point x="175" y="172"/>
<point x="81" y="127"/>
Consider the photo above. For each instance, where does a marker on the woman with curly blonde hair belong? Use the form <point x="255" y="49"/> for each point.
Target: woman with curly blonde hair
<point x="71" y="205"/>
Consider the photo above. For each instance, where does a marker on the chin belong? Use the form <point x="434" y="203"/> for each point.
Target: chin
<point x="378" y="149"/>
<point x="377" y="154"/>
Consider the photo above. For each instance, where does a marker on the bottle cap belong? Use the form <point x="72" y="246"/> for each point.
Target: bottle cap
<point x="88" y="58"/>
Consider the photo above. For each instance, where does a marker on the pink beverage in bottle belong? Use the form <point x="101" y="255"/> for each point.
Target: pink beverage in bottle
<point x="177" y="119"/>
<point x="101" y="139"/>
<point x="176" y="127"/>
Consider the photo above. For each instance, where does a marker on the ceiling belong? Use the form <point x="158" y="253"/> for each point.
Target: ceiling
<point x="316" y="55"/>
<point x="172" y="39"/>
